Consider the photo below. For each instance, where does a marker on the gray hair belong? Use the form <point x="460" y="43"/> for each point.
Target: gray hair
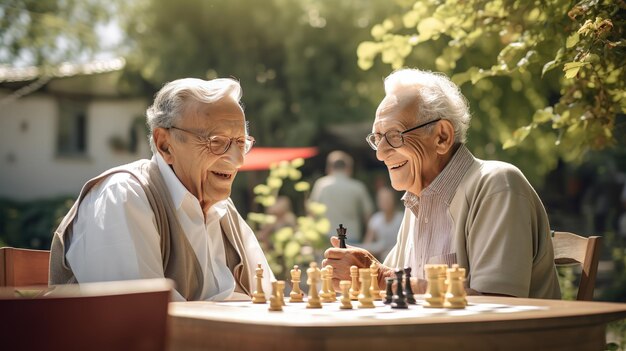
<point x="170" y="102"/>
<point x="435" y="95"/>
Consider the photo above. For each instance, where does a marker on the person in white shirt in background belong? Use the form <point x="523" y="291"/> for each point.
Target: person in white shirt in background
<point x="121" y="228"/>
<point x="382" y="229"/>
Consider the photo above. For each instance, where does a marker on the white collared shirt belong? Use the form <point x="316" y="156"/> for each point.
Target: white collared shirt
<point x="115" y="235"/>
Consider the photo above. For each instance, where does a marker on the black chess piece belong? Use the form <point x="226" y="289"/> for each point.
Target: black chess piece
<point x="399" y="300"/>
<point x="389" y="291"/>
<point x="408" y="291"/>
<point x="341" y="234"/>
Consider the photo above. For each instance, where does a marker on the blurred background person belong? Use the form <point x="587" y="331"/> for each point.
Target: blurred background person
<point x="382" y="229"/>
<point x="284" y="217"/>
<point x="346" y="199"/>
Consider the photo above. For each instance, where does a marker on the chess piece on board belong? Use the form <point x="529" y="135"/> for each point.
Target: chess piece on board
<point x="399" y="300"/>
<point x="341" y="234"/>
<point x="354" y="288"/>
<point x="365" y="296"/>
<point x="258" y="296"/>
<point x="275" y="304"/>
<point x="434" y="296"/>
<point x="346" y="304"/>
<point x="389" y="290"/>
<point x="296" y="295"/>
<point x="408" y="290"/>
<point x="374" y="290"/>
<point x="332" y="294"/>
<point x="313" y="274"/>
<point x="325" y="295"/>
<point x="280" y="287"/>
<point x="455" y="296"/>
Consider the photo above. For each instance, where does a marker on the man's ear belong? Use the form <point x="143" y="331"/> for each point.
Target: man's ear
<point x="445" y="136"/>
<point x="161" y="139"/>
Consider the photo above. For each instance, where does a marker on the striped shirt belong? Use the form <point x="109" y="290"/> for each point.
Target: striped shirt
<point x="432" y="225"/>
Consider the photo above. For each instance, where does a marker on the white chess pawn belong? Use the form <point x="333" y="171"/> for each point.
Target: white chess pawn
<point x="354" y="287"/>
<point x="332" y="294"/>
<point x="365" y="297"/>
<point x="313" y="274"/>
<point x="346" y="304"/>
<point x="374" y="290"/>
<point x="280" y="293"/>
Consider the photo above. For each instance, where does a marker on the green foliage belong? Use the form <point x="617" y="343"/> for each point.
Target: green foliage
<point x="289" y="245"/>
<point x="31" y="224"/>
<point x="49" y="32"/>
<point x="522" y="42"/>
<point x="295" y="58"/>
<point x="566" y="282"/>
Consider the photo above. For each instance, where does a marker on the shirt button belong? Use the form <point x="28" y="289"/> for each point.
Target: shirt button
<point x="425" y="220"/>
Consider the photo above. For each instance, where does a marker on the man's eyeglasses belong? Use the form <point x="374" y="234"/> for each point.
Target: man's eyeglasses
<point x="218" y="144"/>
<point x="394" y="138"/>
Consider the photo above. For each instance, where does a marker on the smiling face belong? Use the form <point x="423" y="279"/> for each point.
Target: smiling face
<point x="207" y="176"/>
<point x="415" y="164"/>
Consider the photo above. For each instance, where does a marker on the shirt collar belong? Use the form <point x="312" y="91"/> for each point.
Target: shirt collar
<point x="446" y="183"/>
<point x="177" y="190"/>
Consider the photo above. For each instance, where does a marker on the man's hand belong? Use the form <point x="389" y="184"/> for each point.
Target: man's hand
<point x="343" y="259"/>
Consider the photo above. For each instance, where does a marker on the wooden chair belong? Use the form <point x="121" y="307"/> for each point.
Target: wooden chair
<point x="122" y="315"/>
<point x="23" y="267"/>
<point x="571" y="249"/>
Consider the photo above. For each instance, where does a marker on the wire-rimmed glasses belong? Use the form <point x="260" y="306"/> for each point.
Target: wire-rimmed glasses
<point x="219" y="144"/>
<point x="394" y="138"/>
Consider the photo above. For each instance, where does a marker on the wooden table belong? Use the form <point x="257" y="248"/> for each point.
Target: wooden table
<point x="488" y="323"/>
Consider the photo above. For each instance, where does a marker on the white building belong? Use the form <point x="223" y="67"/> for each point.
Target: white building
<point x="57" y="132"/>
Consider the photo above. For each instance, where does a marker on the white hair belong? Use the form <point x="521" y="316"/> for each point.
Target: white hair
<point x="170" y="102"/>
<point x="436" y="96"/>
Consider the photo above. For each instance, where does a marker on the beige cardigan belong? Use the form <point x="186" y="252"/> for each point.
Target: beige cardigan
<point x="179" y="260"/>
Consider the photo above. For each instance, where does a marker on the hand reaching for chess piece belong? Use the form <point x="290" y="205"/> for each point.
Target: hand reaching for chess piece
<point x="343" y="259"/>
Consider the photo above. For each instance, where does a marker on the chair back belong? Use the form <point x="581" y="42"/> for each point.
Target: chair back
<point x="571" y="249"/>
<point x="23" y="267"/>
<point x="91" y="316"/>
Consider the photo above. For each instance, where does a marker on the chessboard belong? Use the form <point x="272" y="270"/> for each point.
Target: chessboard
<point x="486" y="323"/>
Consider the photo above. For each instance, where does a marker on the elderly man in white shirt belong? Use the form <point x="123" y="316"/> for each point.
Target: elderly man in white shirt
<point x="482" y="215"/>
<point x="170" y="216"/>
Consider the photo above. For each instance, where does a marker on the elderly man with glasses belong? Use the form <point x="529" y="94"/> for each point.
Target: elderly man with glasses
<point x="482" y="215"/>
<point x="170" y="216"/>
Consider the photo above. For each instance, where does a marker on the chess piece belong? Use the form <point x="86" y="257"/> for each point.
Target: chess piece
<point x="399" y="300"/>
<point x="365" y="296"/>
<point x="455" y="295"/>
<point x="280" y="286"/>
<point x="345" y="295"/>
<point x="434" y="290"/>
<point x="408" y="291"/>
<point x="389" y="291"/>
<point x="313" y="274"/>
<point x="324" y="293"/>
<point x="374" y="290"/>
<point x="354" y="288"/>
<point x="275" y="304"/>
<point x="258" y="296"/>
<point x="296" y="295"/>
<point x="341" y="234"/>
<point x="332" y="294"/>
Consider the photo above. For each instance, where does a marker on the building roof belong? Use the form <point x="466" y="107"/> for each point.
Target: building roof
<point x="23" y="74"/>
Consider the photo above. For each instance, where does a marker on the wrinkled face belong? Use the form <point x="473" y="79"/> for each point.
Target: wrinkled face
<point x="412" y="166"/>
<point x="207" y="176"/>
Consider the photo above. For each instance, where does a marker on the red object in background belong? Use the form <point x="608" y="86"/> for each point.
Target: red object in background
<point x="260" y="158"/>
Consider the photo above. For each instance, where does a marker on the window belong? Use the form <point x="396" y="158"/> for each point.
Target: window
<point x="72" y="128"/>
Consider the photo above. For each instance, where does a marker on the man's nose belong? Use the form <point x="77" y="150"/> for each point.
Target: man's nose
<point x="234" y="156"/>
<point x="383" y="149"/>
